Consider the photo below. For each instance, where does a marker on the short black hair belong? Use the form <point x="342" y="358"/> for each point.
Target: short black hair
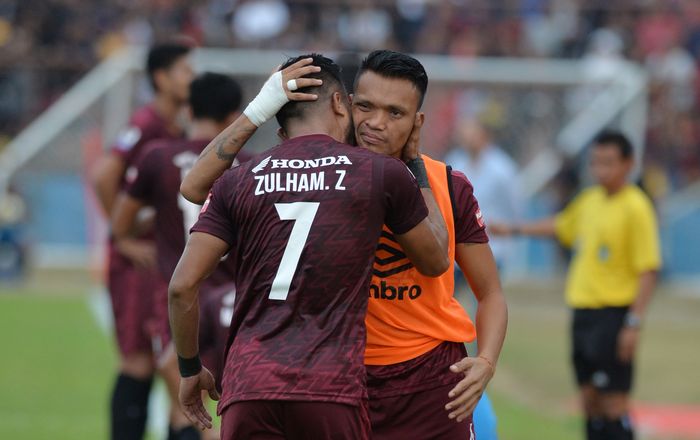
<point x="612" y="137"/>
<point x="332" y="82"/>
<point x="214" y="96"/>
<point x="390" y="64"/>
<point x="162" y="57"/>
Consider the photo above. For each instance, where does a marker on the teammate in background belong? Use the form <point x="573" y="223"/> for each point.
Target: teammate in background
<point x="416" y="328"/>
<point x="613" y="232"/>
<point x="214" y="102"/>
<point x="216" y="311"/>
<point x="131" y="278"/>
<point x="301" y="221"/>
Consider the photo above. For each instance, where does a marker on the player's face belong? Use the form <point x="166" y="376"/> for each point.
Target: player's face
<point x="178" y="78"/>
<point x="384" y="111"/>
<point x="608" y="166"/>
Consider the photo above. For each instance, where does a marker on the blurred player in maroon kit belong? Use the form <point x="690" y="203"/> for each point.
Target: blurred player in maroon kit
<point x="301" y="222"/>
<point x="215" y="318"/>
<point x="214" y="102"/>
<point x="131" y="273"/>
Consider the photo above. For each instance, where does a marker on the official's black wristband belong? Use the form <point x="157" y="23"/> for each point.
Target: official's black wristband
<point x="189" y="366"/>
<point x="417" y="167"/>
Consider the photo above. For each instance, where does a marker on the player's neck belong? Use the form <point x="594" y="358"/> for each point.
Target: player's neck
<point x="615" y="188"/>
<point x="309" y="127"/>
<point x="166" y="108"/>
<point x="203" y="129"/>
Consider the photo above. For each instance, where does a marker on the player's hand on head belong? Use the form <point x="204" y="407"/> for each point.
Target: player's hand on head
<point x="275" y="93"/>
<point x="191" y="398"/>
<point x="466" y="394"/>
<point x="294" y="76"/>
<point x="141" y="253"/>
<point x="412" y="148"/>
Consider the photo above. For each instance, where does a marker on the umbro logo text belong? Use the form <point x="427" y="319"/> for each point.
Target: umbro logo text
<point x="384" y="291"/>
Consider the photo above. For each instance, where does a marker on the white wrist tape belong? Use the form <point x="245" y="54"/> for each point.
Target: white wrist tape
<point x="269" y="101"/>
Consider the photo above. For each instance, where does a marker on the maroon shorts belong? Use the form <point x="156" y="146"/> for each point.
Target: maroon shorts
<point x="131" y="292"/>
<point x="292" y="420"/>
<point x="407" y="400"/>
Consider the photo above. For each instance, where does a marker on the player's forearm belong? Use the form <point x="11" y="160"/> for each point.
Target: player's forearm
<point x="105" y="187"/>
<point x="124" y="215"/>
<point x="216" y="158"/>
<point x="647" y="283"/>
<point x="202" y="254"/>
<point x="437" y="222"/>
<point x="540" y="228"/>
<point x="479" y="267"/>
<point x="183" y="309"/>
<point x="106" y="177"/>
<point x="491" y="324"/>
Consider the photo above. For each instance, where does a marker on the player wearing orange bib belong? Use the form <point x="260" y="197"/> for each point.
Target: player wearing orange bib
<point x="417" y="365"/>
<point x="410" y="314"/>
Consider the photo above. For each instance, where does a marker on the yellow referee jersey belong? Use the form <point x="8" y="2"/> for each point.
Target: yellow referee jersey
<point x="614" y="239"/>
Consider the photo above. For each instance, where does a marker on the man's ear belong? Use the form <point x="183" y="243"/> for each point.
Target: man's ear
<point x="282" y="134"/>
<point x="420" y="119"/>
<point x="339" y="108"/>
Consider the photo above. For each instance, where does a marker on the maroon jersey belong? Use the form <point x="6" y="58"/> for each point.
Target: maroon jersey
<point x="144" y="126"/>
<point x="469" y="223"/>
<point x="303" y="220"/>
<point x="155" y="180"/>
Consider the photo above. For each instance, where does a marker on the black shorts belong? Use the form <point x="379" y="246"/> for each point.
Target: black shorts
<point x="594" y="353"/>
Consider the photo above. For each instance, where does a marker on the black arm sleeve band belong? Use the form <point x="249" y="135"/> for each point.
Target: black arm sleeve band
<point x="417" y="167"/>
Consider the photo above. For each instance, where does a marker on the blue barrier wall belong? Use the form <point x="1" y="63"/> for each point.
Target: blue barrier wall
<point x="56" y="208"/>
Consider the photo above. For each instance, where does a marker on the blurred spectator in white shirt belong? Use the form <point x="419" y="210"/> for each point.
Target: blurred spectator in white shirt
<point x="494" y="176"/>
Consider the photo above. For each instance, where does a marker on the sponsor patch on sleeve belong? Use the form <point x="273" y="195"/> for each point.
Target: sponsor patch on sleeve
<point x="479" y="218"/>
<point x="206" y="204"/>
<point x="131" y="174"/>
<point x="127" y="138"/>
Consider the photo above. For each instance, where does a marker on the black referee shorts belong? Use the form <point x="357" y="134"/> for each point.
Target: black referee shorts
<point x="594" y="354"/>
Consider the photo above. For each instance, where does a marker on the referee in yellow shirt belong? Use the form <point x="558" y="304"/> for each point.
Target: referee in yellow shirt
<point x="612" y="230"/>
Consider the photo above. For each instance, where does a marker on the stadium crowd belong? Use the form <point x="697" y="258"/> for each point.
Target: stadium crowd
<point x="45" y="46"/>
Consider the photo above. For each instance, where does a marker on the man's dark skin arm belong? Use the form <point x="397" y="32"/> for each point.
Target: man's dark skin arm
<point x="424" y="249"/>
<point x="540" y="228"/>
<point x="429" y="256"/>
<point x="201" y="256"/>
<point x="219" y="155"/>
<point x="105" y="180"/>
<point x="628" y="337"/>
<point x="124" y="220"/>
<point x="216" y="158"/>
<point x="479" y="267"/>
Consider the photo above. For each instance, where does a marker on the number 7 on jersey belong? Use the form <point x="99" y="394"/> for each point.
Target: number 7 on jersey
<point x="303" y="214"/>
